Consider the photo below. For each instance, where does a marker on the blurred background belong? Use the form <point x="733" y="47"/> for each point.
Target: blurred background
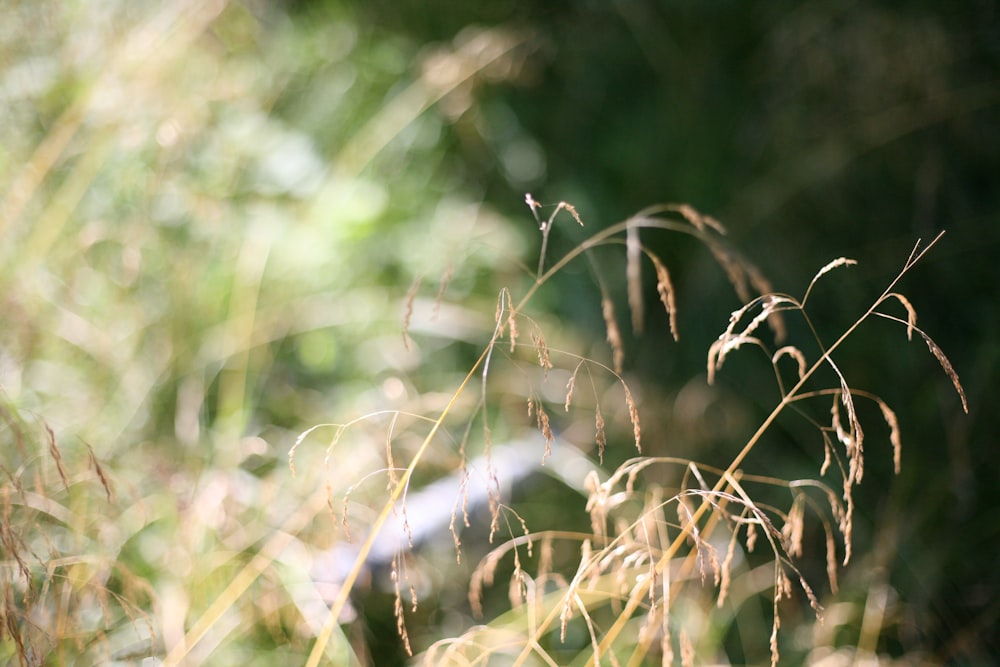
<point x="219" y="218"/>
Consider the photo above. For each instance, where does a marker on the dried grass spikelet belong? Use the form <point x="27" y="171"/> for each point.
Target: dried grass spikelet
<point x="742" y="275"/>
<point x="614" y="334"/>
<point x="665" y="288"/>
<point x="831" y="557"/>
<point x="698" y="220"/>
<point x="847" y="525"/>
<point x="461" y="503"/>
<point x="482" y="577"/>
<point x="726" y="570"/>
<point x="56" y="455"/>
<point x="782" y="589"/>
<point x="545" y="226"/>
<point x="751" y="536"/>
<point x="793" y="528"/>
<point x="795" y="353"/>
<point x="948" y="368"/>
<point x="707" y="556"/>
<point x="840" y="261"/>
<point x="894" y="438"/>
<point x="853" y="437"/>
<point x="853" y="473"/>
<point x="828" y="454"/>
<point x="598" y="503"/>
<point x="733" y="269"/>
<point x="730" y="340"/>
<point x="720" y="349"/>
<point x="810" y="594"/>
<point x="931" y="345"/>
<point x="911" y="313"/>
<point x="398" y="604"/>
<point x="542" y="420"/>
<point x="571" y="387"/>
<point x="840" y="515"/>
<point x="572" y="211"/>
<point x="101" y="476"/>
<point x="505" y="306"/>
<point x="762" y="285"/>
<point x="542" y="350"/>
<point x="633" y="415"/>
<point x="492" y="484"/>
<point x="517" y="586"/>
<point x="633" y="276"/>
<point x="570" y="598"/>
<point x="600" y="437"/>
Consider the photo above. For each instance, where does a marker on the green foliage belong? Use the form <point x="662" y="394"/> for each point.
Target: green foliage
<point x="203" y="210"/>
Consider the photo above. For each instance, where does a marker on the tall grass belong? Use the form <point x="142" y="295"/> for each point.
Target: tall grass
<point x="199" y="267"/>
<point x="639" y="587"/>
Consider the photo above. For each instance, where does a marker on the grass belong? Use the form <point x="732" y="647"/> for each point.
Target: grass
<point x="187" y="311"/>
<point x="651" y="544"/>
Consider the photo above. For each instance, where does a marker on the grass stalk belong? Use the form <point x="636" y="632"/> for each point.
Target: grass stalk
<point x="641" y="592"/>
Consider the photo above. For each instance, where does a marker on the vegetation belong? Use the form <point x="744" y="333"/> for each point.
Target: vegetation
<point x="283" y="382"/>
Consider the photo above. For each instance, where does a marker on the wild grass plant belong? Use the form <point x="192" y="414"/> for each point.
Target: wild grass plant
<point x="210" y="219"/>
<point x="644" y="579"/>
